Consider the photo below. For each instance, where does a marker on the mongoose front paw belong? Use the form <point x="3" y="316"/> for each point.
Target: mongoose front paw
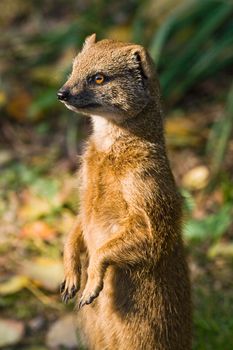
<point x="69" y="288"/>
<point x="90" y="293"/>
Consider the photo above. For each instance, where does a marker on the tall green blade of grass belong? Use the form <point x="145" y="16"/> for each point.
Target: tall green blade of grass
<point x="182" y="64"/>
<point x="186" y="14"/>
<point x="207" y="63"/>
<point x="219" y="142"/>
<point x="196" y="39"/>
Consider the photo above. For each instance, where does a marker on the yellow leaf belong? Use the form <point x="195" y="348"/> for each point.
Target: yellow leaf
<point x="47" y="273"/>
<point x="34" y="208"/>
<point x="13" y="285"/>
<point x="38" y="229"/>
<point x="2" y="98"/>
<point x="220" y="249"/>
<point x="196" y="178"/>
<point x="181" y="131"/>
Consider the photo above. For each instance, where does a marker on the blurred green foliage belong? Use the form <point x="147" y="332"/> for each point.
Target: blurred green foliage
<point x="193" y="43"/>
<point x="211" y="227"/>
<point x="197" y="38"/>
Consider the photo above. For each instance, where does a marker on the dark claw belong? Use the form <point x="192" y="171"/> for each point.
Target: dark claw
<point x="73" y="292"/>
<point x="64" y="297"/>
<point x="65" y="294"/>
<point x="90" y="300"/>
<point x="80" y="304"/>
<point x="62" y="287"/>
<point x="86" y="302"/>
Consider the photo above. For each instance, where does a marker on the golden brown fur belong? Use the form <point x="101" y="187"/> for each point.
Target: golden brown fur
<point x="135" y="293"/>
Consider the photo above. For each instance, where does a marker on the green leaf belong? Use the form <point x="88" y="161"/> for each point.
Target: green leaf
<point x="189" y="202"/>
<point x="196" y="39"/>
<point x="218" y="143"/>
<point x="213" y="226"/>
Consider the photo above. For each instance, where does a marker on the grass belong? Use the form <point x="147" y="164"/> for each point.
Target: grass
<point x="213" y="310"/>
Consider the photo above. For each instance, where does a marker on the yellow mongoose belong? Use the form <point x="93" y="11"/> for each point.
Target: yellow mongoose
<point x="130" y="219"/>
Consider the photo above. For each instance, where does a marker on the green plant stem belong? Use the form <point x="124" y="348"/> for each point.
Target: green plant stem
<point x="222" y="141"/>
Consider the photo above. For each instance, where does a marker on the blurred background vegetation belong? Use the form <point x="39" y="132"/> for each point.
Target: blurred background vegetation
<point x="192" y="45"/>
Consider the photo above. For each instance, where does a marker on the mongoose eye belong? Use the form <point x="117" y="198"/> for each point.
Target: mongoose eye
<point x="99" y="79"/>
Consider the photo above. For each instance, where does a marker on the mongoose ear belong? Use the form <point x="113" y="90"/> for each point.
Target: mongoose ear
<point x="89" y="41"/>
<point x="143" y="60"/>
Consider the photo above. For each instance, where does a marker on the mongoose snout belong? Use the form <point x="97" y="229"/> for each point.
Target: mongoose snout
<point x="75" y="98"/>
<point x="63" y="94"/>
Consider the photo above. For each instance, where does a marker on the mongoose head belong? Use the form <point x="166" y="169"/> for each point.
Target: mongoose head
<point x="109" y="79"/>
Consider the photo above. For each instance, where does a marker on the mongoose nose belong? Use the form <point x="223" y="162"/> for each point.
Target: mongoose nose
<point x="63" y="94"/>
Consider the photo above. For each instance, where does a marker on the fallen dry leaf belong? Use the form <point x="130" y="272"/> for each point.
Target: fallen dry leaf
<point x="11" y="332"/>
<point x="38" y="229"/>
<point x="44" y="197"/>
<point x="34" y="208"/>
<point x="45" y="272"/>
<point x="196" y="178"/>
<point x="62" y="333"/>
<point x="13" y="285"/>
<point x="220" y="249"/>
<point x="181" y="132"/>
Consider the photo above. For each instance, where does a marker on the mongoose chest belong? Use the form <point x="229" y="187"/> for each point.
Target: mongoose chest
<point x="102" y="203"/>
